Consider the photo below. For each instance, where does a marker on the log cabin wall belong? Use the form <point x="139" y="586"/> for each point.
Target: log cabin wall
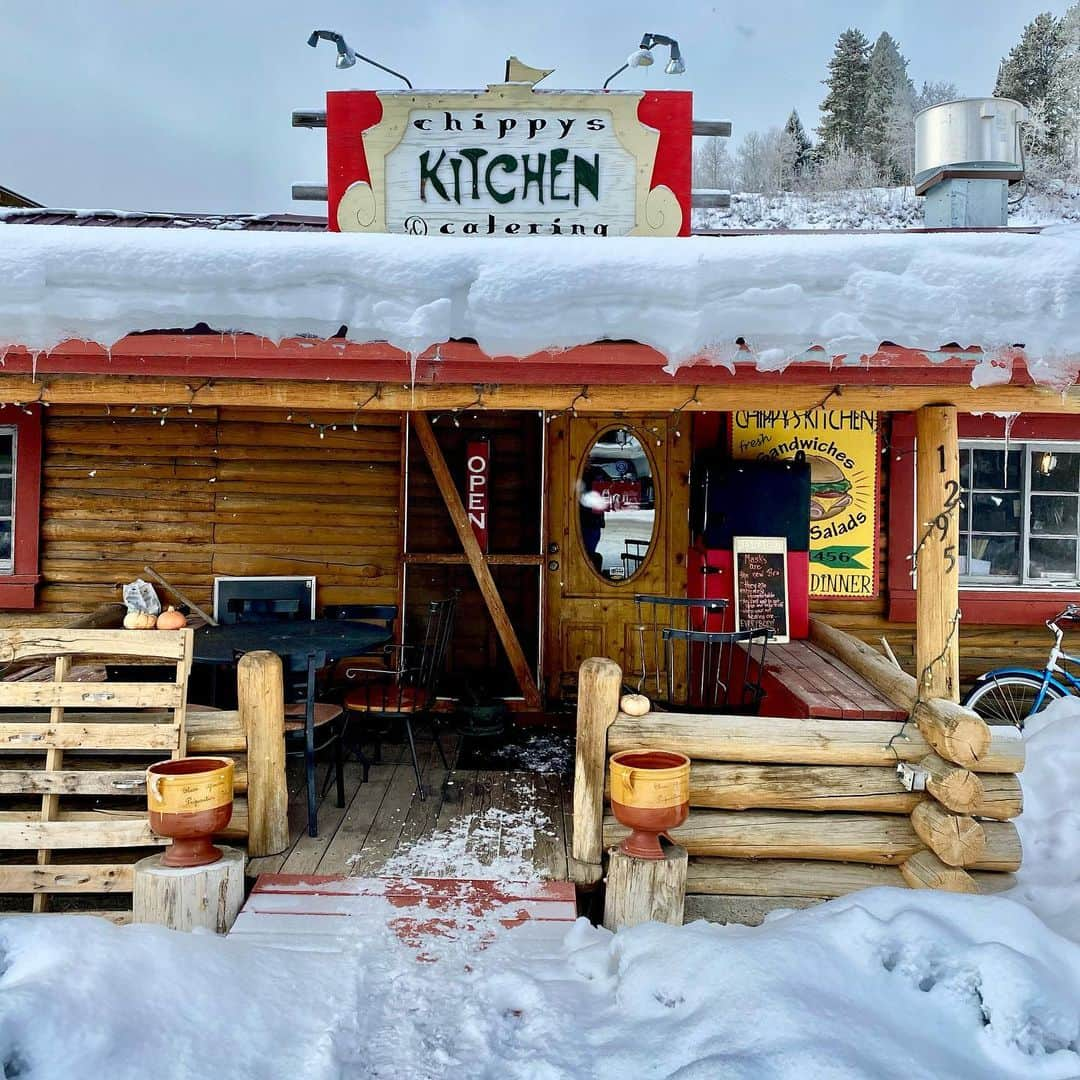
<point x="216" y="492"/>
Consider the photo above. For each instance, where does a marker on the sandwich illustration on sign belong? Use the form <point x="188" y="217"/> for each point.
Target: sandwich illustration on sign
<point x="830" y="490"/>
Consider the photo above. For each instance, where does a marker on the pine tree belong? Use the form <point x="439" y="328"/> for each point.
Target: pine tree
<point x="802" y="146"/>
<point x="1065" y="89"/>
<point x="1026" y="75"/>
<point x="844" y="107"/>
<point x="890" y="106"/>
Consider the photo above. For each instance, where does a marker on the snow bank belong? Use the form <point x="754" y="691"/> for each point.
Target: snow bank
<point x="1049" y="878"/>
<point x="887" y="983"/>
<point x="685" y="297"/>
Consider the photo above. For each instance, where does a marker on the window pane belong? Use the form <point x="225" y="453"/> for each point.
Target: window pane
<point x="965" y="468"/>
<point x="5" y="453"/>
<point x="1053" y="471"/>
<point x="1053" y="559"/>
<point x="5" y="540"/>
<point x="995" y="513"/>
<point x="990" y="469"/>
<point x="5" y="495"/>
<point x="1055" y="514"/>
<point x="995" y="556"/>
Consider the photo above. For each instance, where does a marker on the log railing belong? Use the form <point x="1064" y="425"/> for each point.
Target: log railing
<point x="815" y="808"/>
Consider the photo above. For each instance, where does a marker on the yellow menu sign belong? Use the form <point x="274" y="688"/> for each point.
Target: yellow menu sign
<point x="841" y="446"/>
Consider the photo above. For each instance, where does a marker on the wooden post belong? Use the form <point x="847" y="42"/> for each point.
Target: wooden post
<point x="937" y="596"/>
<point x="645" y="890"/>
<point x="481" y="571"/>
<point x="599" y="687"/>
<point x="204" y="897"/>
<point x="260" y="693"/>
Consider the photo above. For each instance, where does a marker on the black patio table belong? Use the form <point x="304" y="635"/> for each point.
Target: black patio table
<point x="295" y="637"/>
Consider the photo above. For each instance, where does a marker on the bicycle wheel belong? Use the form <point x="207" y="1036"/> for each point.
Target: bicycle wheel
<point x="1009" y="699"/>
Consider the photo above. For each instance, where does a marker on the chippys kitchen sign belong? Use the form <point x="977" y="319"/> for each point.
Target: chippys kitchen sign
<point x="510" y="161"/>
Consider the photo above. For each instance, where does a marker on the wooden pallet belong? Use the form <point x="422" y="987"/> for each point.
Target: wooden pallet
<point x="73" y="756"/>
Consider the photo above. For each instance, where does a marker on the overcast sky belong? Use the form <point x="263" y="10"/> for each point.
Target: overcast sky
<point x="186" y="105"/>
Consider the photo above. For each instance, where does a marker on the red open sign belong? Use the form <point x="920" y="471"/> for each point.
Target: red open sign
<point x="477" y="488"/>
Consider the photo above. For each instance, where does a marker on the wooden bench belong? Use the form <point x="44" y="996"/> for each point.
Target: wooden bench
<point x="803" y="680"/>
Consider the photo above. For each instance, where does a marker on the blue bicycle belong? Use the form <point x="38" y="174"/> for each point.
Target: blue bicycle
<point x="1011" y="695"/>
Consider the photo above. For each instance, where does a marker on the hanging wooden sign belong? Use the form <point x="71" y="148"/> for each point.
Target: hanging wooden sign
<point x="478" y="489"/>
<point x="510" y="161"/>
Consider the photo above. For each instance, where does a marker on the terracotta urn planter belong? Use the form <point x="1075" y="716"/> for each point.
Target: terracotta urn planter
<point x="190" y="800"/>
<point x="650" y="793"/>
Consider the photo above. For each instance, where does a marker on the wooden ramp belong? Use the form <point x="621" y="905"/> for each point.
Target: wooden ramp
<point x="325" y="914"/>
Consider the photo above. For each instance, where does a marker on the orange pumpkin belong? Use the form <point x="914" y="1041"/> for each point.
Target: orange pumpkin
<point x="171" y="619"/>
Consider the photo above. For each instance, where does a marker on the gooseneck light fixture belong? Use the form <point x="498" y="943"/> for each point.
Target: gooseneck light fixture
<point x="643" y="57"/>
<point x="347" y="57"/>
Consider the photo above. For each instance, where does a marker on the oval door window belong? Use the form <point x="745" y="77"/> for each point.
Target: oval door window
<point x="617" y="505"/>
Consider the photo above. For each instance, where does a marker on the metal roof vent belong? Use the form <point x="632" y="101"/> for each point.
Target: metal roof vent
<point x="967" y="153"/>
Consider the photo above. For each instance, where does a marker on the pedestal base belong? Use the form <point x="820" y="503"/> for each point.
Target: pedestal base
<point x="645" y="890"/>
<point x="183" y="898"/>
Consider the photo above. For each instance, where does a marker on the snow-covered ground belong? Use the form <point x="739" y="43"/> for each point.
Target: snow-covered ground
<point x="872" y="208"/>
<point x="883" y="983"/>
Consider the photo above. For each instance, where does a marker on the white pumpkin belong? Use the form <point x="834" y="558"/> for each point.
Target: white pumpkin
<point x="139" y="620"/>
<point x="635" y="704"/>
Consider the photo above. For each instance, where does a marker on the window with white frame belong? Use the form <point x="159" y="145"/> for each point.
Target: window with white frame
<point x="1020" y="513"/>
<point x="7" y="498"/>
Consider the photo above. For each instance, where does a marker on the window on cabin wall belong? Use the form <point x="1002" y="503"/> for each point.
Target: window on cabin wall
<point x="1020" y="513"/>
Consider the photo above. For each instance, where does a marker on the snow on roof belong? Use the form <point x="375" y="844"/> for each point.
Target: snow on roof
<point x="685" y="297"/>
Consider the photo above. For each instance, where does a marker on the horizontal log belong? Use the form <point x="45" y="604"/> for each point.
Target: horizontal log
<point x="604" y="398"/>
<point x="93" y="776"/>
<point x="813" y="878"/>
<point x="870" y="789"/>
<point x="924" y="870"/>
<point x="213" y="731"/>
<point x="956" y="839"/>
<point x="771" y="740"/>
<point x="959" y="735"/>
<point x="955" y="787"/>
<point x="879" y="839"/>
<point x="73" y="878"/>
<point x="78" y="736"/>
<point x="1003" y="797"/>
<point x="898" y="686"/>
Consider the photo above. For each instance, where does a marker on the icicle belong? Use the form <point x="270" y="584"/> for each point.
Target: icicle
<point x="1010" y="419"/>
<point x="33" y="365"/>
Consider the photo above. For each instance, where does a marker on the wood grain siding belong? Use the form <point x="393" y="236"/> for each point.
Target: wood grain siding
<point x="213" y="492"/>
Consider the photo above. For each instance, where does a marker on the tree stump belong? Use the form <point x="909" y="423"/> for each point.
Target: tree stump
<point x="645" y="890"/>
<point x="183" y="898"/>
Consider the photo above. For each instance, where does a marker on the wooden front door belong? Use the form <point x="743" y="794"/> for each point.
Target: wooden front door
<point x="609" y="479"/>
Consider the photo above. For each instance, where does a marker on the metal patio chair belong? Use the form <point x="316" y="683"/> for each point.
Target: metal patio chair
<point x="311" y="726"/>
<point x="654" y="615"/>
<point x="407" y="692"/>
<point x="711" y="671"/>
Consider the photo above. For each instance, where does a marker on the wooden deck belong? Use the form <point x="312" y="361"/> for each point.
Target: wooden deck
<point x="384" y="818"/>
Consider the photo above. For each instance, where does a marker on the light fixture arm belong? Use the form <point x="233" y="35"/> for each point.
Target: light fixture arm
<point x="345" y="51"/>
<point x="648" y="42"/>
<point x="618" y="71"/>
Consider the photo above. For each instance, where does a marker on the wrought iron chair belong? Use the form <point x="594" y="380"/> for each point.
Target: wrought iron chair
<point x="711" y="671"/>
<point x="655" y="614"/>
<point x="634" y="555"/>
<point x="337" y="677"/>
<point x="310" y="726"/>
<point x="408" y="691"/>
